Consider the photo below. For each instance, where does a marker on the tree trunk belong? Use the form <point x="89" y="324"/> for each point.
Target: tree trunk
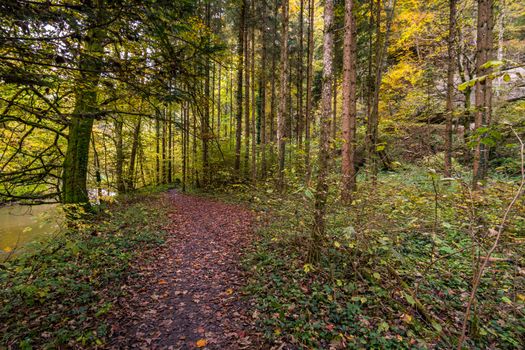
<point x="373" y="119"/>
<point x="96" y="165"/>
<point x="185" y="140"/>
<point x="170" y="144"/>
<point x="483" y="95"/>
<point x="321" y="193"/>
<point x="300" y="78"/>
<point x="157" y="150"/>
<point x="205" y="128"/>
<point x="246" y="165"/>
<point x="349" y="104"/>
<point x="252" y="71"/>
<point x="283" y="111"/>
<point x="309" y="77"/>
<point x="74" y="176"/>
<point x="119" y="164"/>
<point x="450" y="86"/>
<point x="262" y="91"/>
<point x="240" y="69"/>
<point x="163" y="162"/>
<point x="130" y="178"/>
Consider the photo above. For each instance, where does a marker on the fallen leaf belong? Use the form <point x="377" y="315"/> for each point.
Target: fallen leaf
<point x="163" y="282"/>
<point x="201" y="343"/>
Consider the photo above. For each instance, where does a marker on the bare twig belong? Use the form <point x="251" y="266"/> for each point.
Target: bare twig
<point x="498" y="233"/>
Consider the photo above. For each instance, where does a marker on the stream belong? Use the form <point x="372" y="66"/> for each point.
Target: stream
<point x="22" y="224"/>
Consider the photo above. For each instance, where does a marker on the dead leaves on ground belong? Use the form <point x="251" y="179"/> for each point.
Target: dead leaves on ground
<point x="186" y="295"/>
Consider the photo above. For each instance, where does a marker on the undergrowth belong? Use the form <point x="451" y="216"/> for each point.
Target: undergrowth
<point x="396" y="267"/>
<point x="57" y="295"/>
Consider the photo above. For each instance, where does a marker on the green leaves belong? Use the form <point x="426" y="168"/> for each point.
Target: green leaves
<point x="409" y="299"/>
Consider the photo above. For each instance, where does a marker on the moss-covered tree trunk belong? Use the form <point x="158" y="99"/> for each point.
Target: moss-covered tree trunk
<point x="74" y="188"/>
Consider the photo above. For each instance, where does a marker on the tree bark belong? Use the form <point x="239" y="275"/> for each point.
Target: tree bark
<point x="349" y="103"/>
<point x="262" y="91"/>
<point x="253" y="104"/>
<point x="283" y="108"/>
<point x="74" y="177"/>
<point x="450" y="86"/>
<point x="321" y="192"/>
<point x="240" y="69"/>
<point x="246" y="165"/>
<point x="309" y="77"/>
<point x="300" y="77"/>
<point x="119" y="153"/>
<point x="483" y="94"/>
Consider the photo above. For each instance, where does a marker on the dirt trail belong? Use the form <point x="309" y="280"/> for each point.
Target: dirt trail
<point x="188" y="295"/>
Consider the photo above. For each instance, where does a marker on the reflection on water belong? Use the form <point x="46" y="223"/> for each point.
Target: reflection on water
<point x="21" y="224"/>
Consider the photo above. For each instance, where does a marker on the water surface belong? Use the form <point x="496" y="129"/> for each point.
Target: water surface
<point x="20" y="225"/>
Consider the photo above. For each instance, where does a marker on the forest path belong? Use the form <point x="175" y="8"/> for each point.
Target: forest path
<point x="187" y="294"/>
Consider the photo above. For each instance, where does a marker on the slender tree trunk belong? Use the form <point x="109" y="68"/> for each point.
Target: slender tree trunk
<point x="309" y="78"/>
<point x="96" y="164"/>
<point x="373" y="119"/>
<point x="334" y="110"/>
<point x="170" y="144"/>
<point x="163" y="168"/>
<point x="349" y="103"/>
<point x="230" y="132"/>
<point x="450" y="86"/>
<point x="205" y="127"/>
<point x="157" y="149"/>
<point x="273" y="137"/>
<point x="185" y="134"/>
<point x="300" y="78"/>
<point x="483" y="93"/>
<point x="252" y="71"/>
<point x="119" y="163"/>
<point x="283" y="108"/>
<point x="240" y="69"/>
<point x="321" y="192"/>
<point x="262" y="90"/>
<point x="246" y="165"/>
<point x="130" y="177"/>
<point x="219" y="106"/>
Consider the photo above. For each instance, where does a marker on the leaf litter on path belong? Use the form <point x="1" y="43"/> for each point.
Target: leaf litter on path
<point x="186" y="294"/>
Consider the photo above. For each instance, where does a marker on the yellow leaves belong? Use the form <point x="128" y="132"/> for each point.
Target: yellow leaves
<point x="400" y="75"/>
<point x="407" y="318"/>
<point x="308" y="267"/>
<point x="7" y="249"/>
<point x="201" y="343"/>
<point x="229" y="291"/>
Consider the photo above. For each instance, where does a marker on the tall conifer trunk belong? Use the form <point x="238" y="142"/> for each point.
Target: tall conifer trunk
<point x="483" y="94"/>
<point x="450" y="86"/>
<point x="321" y="192"/>
<point x="349" y="103"/>
<point x="283" y="95"/>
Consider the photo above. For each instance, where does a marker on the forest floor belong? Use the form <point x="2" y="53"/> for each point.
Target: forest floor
<point x="187" y="294"/>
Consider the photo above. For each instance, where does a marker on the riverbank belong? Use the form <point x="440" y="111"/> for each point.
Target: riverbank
<point x="59" y="293"/>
